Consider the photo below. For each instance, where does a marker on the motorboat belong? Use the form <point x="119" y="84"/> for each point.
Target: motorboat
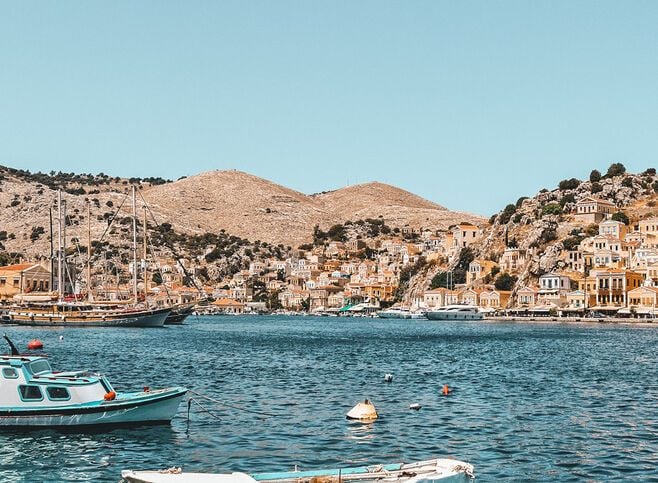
<point x="455" y="312"/>
<point x="394" y="313"/>
<point x="400" y="313"/>
<point x="33" y="395"/>
<point x="435" y="470"/>
<point x="80" y="314"/>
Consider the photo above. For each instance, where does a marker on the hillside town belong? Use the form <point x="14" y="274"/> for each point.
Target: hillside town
<point x="608" y="267"/>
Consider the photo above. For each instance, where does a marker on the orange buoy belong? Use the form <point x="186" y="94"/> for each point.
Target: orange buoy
<point x="446" y="390"/>
<point x="110" y="396"/>
<point x="35" y="344"/>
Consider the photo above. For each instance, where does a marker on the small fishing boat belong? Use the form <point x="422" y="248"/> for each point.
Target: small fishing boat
<point x="32" y="395"/>
<point x="435" y="470"/>
<point x="455" y="312"/>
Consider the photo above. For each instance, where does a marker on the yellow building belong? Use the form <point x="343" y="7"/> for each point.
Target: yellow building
<point x="23" y="278"/>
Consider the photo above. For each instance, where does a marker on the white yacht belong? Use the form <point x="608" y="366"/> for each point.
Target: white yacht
<point x="400" y="313"/>
<point x="455" y="312"/>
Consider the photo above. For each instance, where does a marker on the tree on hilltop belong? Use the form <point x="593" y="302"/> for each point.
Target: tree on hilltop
<point x="616" y="169"/>
<point x="595" y="176"/>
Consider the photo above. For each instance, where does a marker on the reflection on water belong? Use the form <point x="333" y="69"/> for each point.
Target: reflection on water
<point x="548" y="403"/>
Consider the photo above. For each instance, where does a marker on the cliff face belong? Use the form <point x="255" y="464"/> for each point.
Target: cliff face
<point x="239" y="203"/>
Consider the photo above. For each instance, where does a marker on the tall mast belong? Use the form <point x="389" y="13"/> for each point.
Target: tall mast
<point x="89" y="295"/>
<point x="64" y="266"/>
<point x="52" y="250"/>
<point x="134" y="246"/>
<point x="146" y="280"/>
<point x="59" y="245"/>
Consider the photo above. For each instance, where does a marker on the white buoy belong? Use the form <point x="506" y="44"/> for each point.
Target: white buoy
<point x="415" y="406"/>
<point x="388" y="378"/>
<point x="364" y="411"/>
<point x="61" y="337"/>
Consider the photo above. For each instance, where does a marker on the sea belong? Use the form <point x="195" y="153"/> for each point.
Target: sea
<point x="530" y="401"/>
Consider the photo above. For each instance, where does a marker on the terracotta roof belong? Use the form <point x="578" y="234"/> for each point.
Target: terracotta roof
<point x="18" y="267"/>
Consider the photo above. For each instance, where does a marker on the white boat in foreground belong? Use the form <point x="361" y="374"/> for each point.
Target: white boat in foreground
<point x="32" y="395"/>
<point x="455" y="312"/>
<point x="436" y="470"/>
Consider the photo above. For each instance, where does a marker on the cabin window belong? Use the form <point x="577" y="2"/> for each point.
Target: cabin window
<point x="10" y="373"/>
<point x="30" y="393"/>
<point x="40" y="366"/>
<point x="58" y="393"/>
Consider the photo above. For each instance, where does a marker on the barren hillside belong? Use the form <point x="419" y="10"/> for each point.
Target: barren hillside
<point x="239" y="203"/>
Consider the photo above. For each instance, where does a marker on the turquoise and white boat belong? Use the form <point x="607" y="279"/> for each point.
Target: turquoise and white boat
<point x="32" y="395"/>
<point x="435" y="470"/>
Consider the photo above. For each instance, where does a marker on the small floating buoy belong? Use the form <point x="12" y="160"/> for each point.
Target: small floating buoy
<point x="110" y="396"/>
<point x="388" y="378"/>
<point x="35" y="344"/>
<point x="61" y="337"/>
<point x="446" y="390"/>
<point x="364" y="411"/>
<point x="415" y="406"/>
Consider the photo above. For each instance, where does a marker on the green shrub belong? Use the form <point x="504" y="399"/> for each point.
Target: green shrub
<point x="551" y="209"/>
<point x="505" y="281"/>
<point x="595" y="176"/>
<point x="596" y="188"/>
<point x="569" y="184"/>
<point x="621" y="216"/>
<point x="616" y="169"/>
<point x="507" y="214"/>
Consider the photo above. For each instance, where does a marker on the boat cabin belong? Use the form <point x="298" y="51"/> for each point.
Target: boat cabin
<point x="29" y="381"/>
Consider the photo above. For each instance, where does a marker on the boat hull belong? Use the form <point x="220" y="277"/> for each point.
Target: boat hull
<point x="431" y="471"/>
<point x="447" y="315"/>
<point x="158" y="407"/>
<point x="152" y="318"/>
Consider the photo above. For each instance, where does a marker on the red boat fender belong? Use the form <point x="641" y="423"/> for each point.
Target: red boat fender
<point x="110" y="396"/>
<point x="147" y="389"/>
<point x="35" y="344"/>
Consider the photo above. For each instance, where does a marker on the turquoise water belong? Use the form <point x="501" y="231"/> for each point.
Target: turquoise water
<point x="531" y="402"/>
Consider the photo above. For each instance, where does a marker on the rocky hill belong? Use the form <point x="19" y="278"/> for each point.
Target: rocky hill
<point x="544" y="224"/>
<point x="238" y="203"/>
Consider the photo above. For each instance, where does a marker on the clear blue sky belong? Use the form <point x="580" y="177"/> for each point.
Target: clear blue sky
<point x="469" y="104"/>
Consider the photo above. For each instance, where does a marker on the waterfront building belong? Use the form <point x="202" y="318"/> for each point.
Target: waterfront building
<point x="642" y="299"/>
<point x="527" y="297"/>
<point x="23" y="278"/>
<point x="553" y="289"/>
<point x="229" y="306"/>
<point x="612" y="286"/>
<point x="434" y="298"/>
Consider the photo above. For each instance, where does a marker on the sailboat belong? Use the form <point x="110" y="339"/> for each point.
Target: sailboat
<point x="86" y="314"/>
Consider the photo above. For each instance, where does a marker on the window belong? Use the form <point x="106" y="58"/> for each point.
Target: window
<point x="30" y="393"/>
<point x="40" y="366"/>
<point x="10" y="373"/>
<point x="58" y="393"/>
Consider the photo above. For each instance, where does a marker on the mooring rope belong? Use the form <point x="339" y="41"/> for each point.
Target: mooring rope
<point x="216" y="401"/>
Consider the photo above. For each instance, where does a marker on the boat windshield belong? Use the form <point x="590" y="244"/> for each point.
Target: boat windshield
<point x="39" y="366"/>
